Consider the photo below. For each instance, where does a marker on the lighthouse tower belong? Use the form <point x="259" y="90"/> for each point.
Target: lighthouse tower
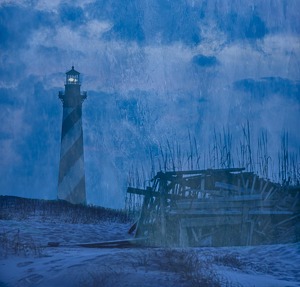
<point x="71" y="178"/>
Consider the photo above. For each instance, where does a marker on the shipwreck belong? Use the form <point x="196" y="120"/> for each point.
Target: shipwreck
<point x="216" y="207"/>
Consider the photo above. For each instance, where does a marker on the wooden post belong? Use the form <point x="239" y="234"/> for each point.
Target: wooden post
<point x="183" y="237"/>
<point x="250" y="233"/>
<point x="245" y="226"/>
<point x="253" y="184"/>
<point x="140" y="228"/>
<point x="162" y="190"/>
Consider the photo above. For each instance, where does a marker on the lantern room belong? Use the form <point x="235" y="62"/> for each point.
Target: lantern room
<point x="72" y="77"/>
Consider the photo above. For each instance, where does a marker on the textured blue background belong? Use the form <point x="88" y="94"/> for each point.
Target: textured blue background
<point x="154" y="70"/>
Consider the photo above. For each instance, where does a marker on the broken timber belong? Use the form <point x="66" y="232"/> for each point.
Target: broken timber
<point x="219" y="207"/>
<point x="125" y="243"/>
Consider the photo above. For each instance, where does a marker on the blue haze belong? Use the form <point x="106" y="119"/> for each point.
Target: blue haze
<point x="154" y="71"/>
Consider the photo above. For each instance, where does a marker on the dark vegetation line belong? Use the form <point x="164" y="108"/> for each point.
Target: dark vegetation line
<point x="13" y="207"/>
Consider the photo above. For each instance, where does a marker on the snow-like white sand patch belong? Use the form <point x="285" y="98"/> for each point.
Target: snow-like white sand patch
<point x="70" y="265"/>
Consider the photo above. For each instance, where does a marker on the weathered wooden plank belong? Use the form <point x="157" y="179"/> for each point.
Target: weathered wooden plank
<point x="269" y="193"/>
<point x="140" y="191"/>
<point x="163" y="220"/>
<point x="195" y="235"/>
<point x="211" y="192"/>
<point x="183" y="236"/>
<point x="247" y="184"/>
<point x="253" y="184"/>
<point x="127" y="243"/>
<point x="296" y="200"/>
<point x="231" y="211"/>
<point x="202" y="184"/>
<point x="287" y="220"/>
<point x="210" y="221"/>
<point x="140" y="228"/>
<point x="264" y="188"/>
<point x="232" y="187"/>
<point x="171" y="174"/>
<point x="246" y="197"/>
<point x="150" y="192"/>
<point x="250" y="233"/>
<point x="227" y="186"/>
<point x="219" y="212"/>
<point x="223" y="204"/>
<point x="270" y="212"/>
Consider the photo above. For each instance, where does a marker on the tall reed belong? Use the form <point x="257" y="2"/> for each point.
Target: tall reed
<point x="222" y="151"/>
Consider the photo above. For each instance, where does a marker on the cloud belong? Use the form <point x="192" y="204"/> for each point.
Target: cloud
<point x="71" y="15"/>
<point x="95" y="29"/>
<point x="246" y="26"/>
<point x="11" y="70"/>
<point x="12" y="129"/>
<point x="18" y="23"/>
<point x="153" y="70"/>
<point x="256" y="29"/>
<point x="276" y="56"/>
<point x="205" y="61"/>
<point x="269" y="86"/>
<point x="29" y="149"/>
<point x="158" y="21"/>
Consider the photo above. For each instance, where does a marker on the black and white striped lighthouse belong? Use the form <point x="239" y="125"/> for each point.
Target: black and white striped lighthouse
<point x="71" y="179"/>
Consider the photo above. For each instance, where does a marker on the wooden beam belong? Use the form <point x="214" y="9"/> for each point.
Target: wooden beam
<point x="195" y="235"/>
<point x="232" y="187"/>
<point x="151" y="193"/>
<point x="210" y="221"/>
<point x="253" y="184"/>
<point x="270" y="212"/>
<point x="183" y="236"/>
<point x="264" y="188"/>
<point x="269" y="193"/>
<point x="168" y="174"/>
<point x="127" y="243"/>
<point x="225" y="204"/>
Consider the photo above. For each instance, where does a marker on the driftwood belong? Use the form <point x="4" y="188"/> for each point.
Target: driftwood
<point x="217" y="208"/>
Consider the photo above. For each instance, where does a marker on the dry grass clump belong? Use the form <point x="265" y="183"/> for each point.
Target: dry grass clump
<point x="193" y="270"/>
<point x="229" y="260"/>
<point x="14" y="243"/>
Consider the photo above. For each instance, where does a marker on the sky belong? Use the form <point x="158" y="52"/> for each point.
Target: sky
<point x="156" y="72"/>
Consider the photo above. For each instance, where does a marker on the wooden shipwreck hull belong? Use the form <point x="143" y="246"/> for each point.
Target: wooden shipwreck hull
<point x="222" y="207"/>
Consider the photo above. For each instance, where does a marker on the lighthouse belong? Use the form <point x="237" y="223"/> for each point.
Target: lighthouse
<point x="71" y="178"/>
